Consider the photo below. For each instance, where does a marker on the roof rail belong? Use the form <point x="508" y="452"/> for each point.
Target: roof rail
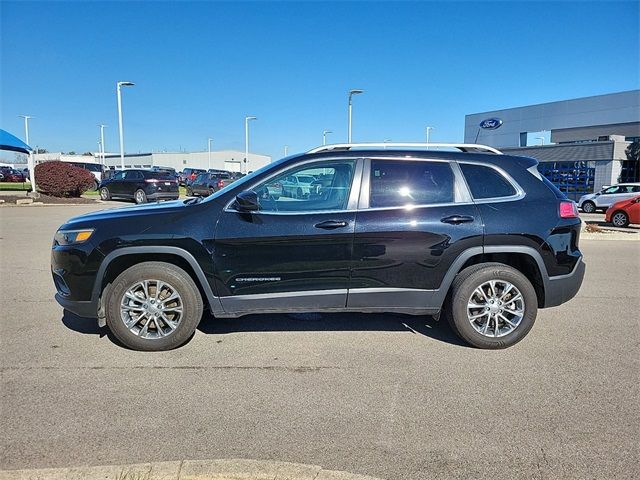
<point x="463" y="147"/>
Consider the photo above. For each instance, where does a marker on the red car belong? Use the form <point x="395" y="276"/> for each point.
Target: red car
<point x="624" y="212"/>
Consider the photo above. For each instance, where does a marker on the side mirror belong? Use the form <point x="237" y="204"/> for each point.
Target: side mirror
<point x="247" y="201"/>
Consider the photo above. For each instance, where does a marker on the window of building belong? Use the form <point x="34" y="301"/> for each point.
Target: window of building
<point x="574" y="179"/>
<point x="401" y="183"/>
<point x="486" y="182"/>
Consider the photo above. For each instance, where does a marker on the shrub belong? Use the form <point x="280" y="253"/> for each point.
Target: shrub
<point x="61" y="179"/>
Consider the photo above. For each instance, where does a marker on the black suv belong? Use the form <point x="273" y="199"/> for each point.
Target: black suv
<point x="480" y="236"/>
<point x="208" y="183"/>
<point x="140" y="186"/>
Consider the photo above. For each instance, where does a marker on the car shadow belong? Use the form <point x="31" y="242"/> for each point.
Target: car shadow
<point x="333" y="322"/>
<point x="297" y="322"/>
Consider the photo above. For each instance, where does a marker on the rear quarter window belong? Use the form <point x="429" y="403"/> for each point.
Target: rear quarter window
<point x="486" y="182"/>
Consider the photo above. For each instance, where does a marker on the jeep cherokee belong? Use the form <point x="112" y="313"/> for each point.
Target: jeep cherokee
<point x="410" y="228"/>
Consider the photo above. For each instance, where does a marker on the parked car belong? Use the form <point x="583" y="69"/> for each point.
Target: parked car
<point x="12" y="175"/>
<point x="297" y="186"/>
<point x="624" y="212"/>
<point x="608" y="196"/>
<point x="208" y="183"/>
<point x="189" y="175"/>
<point x="96" y="169"/>
<point x="140" y="186"/>
<point x="414" y="231"/>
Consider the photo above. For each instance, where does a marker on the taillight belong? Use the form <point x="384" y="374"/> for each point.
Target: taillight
<point x="568" y="210"/>
<point x="152" y="180"/>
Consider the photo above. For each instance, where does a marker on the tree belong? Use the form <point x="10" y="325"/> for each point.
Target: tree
<point x="631" y="166"/>
<point x="633" y="151"/>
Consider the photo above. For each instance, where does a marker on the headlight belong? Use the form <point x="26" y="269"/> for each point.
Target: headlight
<point x="71" y="237"/>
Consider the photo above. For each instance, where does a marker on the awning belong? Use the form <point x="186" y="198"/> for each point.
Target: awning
<point x="13" y="143"/>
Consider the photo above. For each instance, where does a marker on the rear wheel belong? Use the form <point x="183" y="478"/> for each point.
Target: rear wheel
<point x="153" y="306"/>
<point x="189" y="192"/>
<point x="588" y="207"/>
<point x="211" y="191"/>
<point x="94" y="186"/>
<point x="492" y="305"/>
<point x="140" y="196"/>
<point x="620" y="219"/>
<point x="105" y="194"/>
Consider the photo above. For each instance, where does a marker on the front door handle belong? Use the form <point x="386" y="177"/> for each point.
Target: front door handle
<point x="331" y="224"/>
<point x="457" y="219"/>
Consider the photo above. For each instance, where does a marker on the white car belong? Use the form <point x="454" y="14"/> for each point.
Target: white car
<point x="297" y="186"/>
<point x="608" y="196"/>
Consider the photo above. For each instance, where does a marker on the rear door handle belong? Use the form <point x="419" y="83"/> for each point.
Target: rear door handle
<point x="457" y="219"/>
<point x="331" y="224"/>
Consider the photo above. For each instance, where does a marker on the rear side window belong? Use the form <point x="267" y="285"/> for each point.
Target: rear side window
<point x="158" y="175"/>
<point x="486" y="182"/>
<point x="402" y="182"/>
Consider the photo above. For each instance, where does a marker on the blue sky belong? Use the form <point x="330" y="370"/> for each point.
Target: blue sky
<point x="201" y="67"/>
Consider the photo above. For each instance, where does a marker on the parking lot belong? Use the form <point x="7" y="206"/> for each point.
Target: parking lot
<point x="393" y="396"/>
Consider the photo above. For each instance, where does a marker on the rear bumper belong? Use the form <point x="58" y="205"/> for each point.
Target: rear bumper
<point x="563" y="288"/>
<point x="163" y="196"/>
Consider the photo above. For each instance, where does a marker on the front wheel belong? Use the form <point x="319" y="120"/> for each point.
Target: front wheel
<point x="105" y="194"/>
<point x="153" y="306"/>
<point x="140" y="196"/>
<point x="189" y="192"/>
<point x="492" y="305"/>
<point x="588" y="207"/>
<point x="620" y="219"/>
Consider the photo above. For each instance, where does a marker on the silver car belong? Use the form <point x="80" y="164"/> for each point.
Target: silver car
<point x="608" y="196"/>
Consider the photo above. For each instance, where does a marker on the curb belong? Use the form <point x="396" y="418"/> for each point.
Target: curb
<point x="233" y="469"/>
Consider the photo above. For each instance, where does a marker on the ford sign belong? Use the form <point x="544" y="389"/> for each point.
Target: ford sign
<point x="491" y="123"/>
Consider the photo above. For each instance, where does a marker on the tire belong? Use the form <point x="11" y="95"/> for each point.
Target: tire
<point x="211" y="191"/>
<point x="189" y="192"/>
<point x="463" y="294"/>
<point x="140" y="196"/>
<point x="588" y="207"/>
<point x="105" y="194"/>
<point x="157" y="336"/>
<point x="94" y="186"/>
<point x="620" y="219"/>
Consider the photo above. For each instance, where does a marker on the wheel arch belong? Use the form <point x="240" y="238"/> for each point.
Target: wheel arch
<point x="524" y="259"/>
<point x="119" y="260"/>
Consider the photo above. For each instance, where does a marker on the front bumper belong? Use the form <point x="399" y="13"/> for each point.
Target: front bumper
<point x="563" y="288"/>
<point x="82" y="309"/>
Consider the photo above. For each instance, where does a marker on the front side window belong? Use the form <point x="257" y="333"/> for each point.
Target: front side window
<point x="486" y="182"/>
<point x="327" y="186"/>
<point x="396" y="183"/>
<point x="612" y="190"/>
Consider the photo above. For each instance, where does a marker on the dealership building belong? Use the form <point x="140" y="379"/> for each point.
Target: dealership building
<point x="230" y="160"/>
<point x="580" y="143"/>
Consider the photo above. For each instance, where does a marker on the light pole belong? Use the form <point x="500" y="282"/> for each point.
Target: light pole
<point x="351" y="94"/>
<point x="324" y="136"/>
<point x="30" y="166"/>
<point x="119" y="85"/>
<point x="428" y="131"/>
<point x="541" y="140"/>
<point x="209" y="140"/>
<point x="286" y="150"/>
<point x="102" y="150"/>
<point x="246" y="143"/>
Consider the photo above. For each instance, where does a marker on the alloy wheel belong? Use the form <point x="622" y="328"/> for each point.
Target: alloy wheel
<point x="619" y="219"/>
<point x="495" y="308"/>
<point x="151" y="309"/>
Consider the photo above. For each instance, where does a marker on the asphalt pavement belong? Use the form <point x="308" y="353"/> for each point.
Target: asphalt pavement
<point x="392" y="396"/>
